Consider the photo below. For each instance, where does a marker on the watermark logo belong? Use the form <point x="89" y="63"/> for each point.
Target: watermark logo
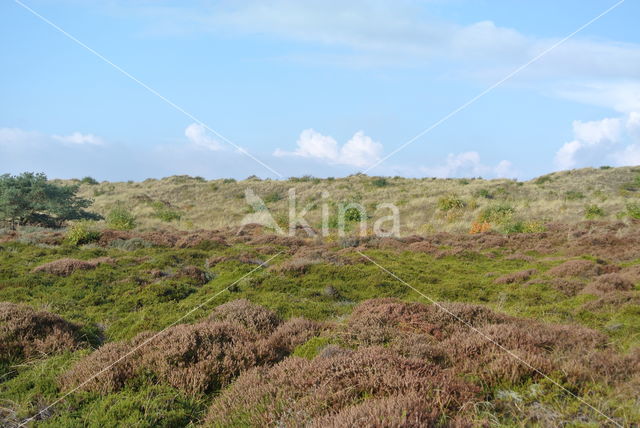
<point x="340" y="219"/>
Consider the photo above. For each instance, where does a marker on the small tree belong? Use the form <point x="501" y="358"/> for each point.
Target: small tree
<point x="29" y="198"/>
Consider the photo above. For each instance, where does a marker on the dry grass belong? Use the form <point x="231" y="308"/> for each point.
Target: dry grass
<point x="220" y="203"/>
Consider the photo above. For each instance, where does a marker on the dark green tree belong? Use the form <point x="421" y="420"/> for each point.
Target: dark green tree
<point x="29" y="199"/>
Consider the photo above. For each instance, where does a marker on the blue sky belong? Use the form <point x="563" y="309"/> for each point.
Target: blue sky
<point x="326" y="88"/>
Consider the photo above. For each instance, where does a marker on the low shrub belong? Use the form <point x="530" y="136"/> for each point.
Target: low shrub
<point x="120" y="218"/>
<point x="573" y="195"/>
<point x="380" y="182"/>
<point x="633" y="210"/>
<point x="592" y="212"/>
<point x="164" y="212"/>
<point x="66" y="266"/>
<point x="497" y="214"/>
<point x="89" y="180"/>
<point x="479" y="227"/>
<point x="25" y="332"/>
<point x="82" y="233"/>
<point x="353" y="215"/>
<point x="451" y="202"/>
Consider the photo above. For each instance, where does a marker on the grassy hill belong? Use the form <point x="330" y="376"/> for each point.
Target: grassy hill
<point x="426" y="205"/>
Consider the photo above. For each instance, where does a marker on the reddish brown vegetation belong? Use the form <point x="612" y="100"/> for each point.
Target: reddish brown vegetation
<point x="247" y="314"/>
<point x="608" y="283"/>
<point x="25" y="332"/>
<point x="65" y="267"/>
<point x="576" y="268"/>
<point x="516" y="277"/>
<point x="198" y="358"/>
<point x="298" y="392"/>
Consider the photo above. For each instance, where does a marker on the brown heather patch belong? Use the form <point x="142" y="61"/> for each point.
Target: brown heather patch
<point x="25" y="332"/>
<point x="607" y="283"/>
<point x="65" y="267"/>
<point x="251" y="316"/>
<point x="296" y="391"/>
<point x="569" y="287"/>
<point x="377" y="321"/>
<point x="198" y="358"/>
<point x="516" y="277"/>
<point x="409" y="410"/>
<point x="287" y="336"/>
<point x="195" y="274"/>
<point x="576" y="268"/>
<point x="423" y="247"/>
<point x="616" y="299"/>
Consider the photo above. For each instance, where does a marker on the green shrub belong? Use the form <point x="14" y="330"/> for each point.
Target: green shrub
<point x="82" y="233"/>
<point x="352" y="214"/>
<point x="120" y="218"/>
<point x="593" y="211"/>
<point x="573" y="195"/>
<point x="89" y="180"/>
<point x="543" y="179"/>
<point x="484" y="193"/>
<point x="450" y="202"/>
<point x="497" y="214"/>
<point x="272" y="197"/>
<point x="164" y="212"/>
<point x="633" y="210"/>
<point x="228" y="181"/>
<point x="380" y="182"/>
<point x="605" y="167"/>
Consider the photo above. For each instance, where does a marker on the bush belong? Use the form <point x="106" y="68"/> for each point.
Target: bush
<point x="593" y="211"/>
<point x="272" y="197"/>
<point x="120" y="218"/>
<point x="450" y="202"/>
<point x="164" y="212"/>
<point x="573" y="195"/>
<point x="89" y="180"/>
<point x="352" y="215"/>
<point x="82" y="233"/>
<point x="497" y="214"/>
<point x="633" y="210"/>
<point x="28" y="199"/>
<point x="484" y="193"/>
<point x="380" y="182"/>
<point x="477" y="227"/>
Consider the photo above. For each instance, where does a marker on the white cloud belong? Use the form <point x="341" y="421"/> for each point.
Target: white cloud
<point x="79" y="138"/>
<point x="505" y="169"/>
<point x="633" y="124"/>
<point x="197" y="134"/>
<point x="630" y="155"/>
<point x="360" y="151"/>
<point x="468" y="164"/>
<point x="566" y="157"/>
<point x="601" y="141"/>
<point x="622" y="96"/>
<point x="312" y="144"/>
<point x="598" y="131"/>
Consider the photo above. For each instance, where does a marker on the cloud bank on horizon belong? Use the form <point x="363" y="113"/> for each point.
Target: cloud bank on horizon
<point x="389" y="38"/>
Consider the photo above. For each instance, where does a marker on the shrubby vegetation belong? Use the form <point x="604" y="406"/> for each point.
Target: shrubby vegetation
<point x="318" y="335"/>
<point x="121" y="218"/>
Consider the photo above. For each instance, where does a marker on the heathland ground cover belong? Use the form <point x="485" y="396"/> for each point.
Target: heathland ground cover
<point x="316" y="334"/>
